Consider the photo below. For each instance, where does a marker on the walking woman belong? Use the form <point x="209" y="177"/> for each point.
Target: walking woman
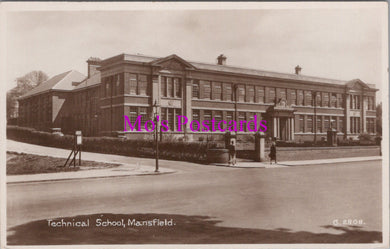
<point x="272" y="153"/>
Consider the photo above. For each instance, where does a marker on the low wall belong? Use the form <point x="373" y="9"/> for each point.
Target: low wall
<point x="313" y="153"/>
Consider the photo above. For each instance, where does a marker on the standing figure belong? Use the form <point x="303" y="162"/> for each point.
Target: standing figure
<point x="232" y="153"/>
<point x="272" y="153"/>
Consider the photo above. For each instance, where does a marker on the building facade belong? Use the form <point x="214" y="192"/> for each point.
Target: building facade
<point x="295" y="107"/>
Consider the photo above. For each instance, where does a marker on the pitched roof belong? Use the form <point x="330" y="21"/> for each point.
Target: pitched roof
<point x="94" y="79"/>
<point x="238" y="70"/>
<point x="61" y="81"/>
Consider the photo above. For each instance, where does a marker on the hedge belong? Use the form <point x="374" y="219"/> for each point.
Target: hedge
<point x="173" y="150"/>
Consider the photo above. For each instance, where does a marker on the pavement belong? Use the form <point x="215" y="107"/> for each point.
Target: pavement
<point x="135" y="166"/>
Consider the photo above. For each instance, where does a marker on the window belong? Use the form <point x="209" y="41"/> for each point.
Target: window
<point x="310" y="123"/>
<point x="228" y="92"/>
<point x="319" y="123"/>
<point x="131" y="84"/>
<point x="326" y="123"/>
<point x="300" y="97"/>
<point x="229" y="117"/>
<point x="133" y="114"/>
<point x="340" y="100"/>
<point x="171" y="121"/>
<point x="341" y="124"/>
<point x="259" y="94"/>
<point x="241" y="117"/>
<point x="207" y="115"/>
<point x="241" y="94"/>
<point x="301" y="123"/>
<point x="293" y="97"/>
<point x="143" y="85"/>
<point x="252" y="124"/>
<point x="308" y="98"/>
<point x="319" y="99"/>
<point x="206" y="89"/>
<point x="177" y="82"/>
<point x="326" y="99"/>
<point x="195" y="89"/>
<point x="282" y="93"/>
<point x="169" y="87"/>
<point x="271" y="96"/>
<point x="107" y="91"/>
<point x="218" y="118"/>
<point x="251" y="94"/>
<point x="333" y="100"/>
<point x="178" y="113"/>
<point x="163" y="86"/>
<point x="217" y="91"/>
<point x="195" y="117"/>
<point x="144" y="116"/>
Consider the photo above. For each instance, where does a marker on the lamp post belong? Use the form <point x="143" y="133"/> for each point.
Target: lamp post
<point x="315" y="117"/>
<point x="156" y="127"/>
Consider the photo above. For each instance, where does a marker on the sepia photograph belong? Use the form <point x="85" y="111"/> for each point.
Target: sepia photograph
<point x="219" y="124"/>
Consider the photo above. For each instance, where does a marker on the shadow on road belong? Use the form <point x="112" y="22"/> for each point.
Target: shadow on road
<point x="183" y="230"/>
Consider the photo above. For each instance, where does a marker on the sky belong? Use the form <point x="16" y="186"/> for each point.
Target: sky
<point x="345" y="43"/>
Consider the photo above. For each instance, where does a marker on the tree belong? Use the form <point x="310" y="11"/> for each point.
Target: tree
<point x="24" y="84"/>
<point x="379" y="119"/>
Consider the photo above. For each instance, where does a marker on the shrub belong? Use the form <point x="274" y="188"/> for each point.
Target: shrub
<point x="170" y="149"/>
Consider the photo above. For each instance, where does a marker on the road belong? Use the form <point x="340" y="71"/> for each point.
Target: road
<point x="299" y="198"/>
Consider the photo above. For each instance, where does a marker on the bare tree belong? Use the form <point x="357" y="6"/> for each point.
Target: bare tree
<point x="24" y="84"/>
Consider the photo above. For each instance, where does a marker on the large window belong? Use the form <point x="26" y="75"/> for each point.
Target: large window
<point x="308" y="98"/>
<point x="178" y="113"/>
<point x="259" y="94"/>
<point x="340" y="100"/>
<point x="143" y="85"/>
<point x="171" y="119"/>
<point x="300" y="97"/>
<point x="293" y="96"/>
<point x="206" y="89"/>
<point x="251" y="94"/>
<point x="370" y="124"/>
<point x="341" y="124"/>
<point x="229" y="117"/>
<point x="271" y="96"/>
<point x="207" y="115"/>
<point x="301" y="123"/>
<point x="131" y="84"/>
<point x="333" y="100"/>
<point x="195" y="117"/>
<point x="143" y="111"/>
<point x="326" y="122"/>
<point x="177" y="82"/>
<point x="241" y="94"/>
<point x="227" y="92"/>
<point x="217" y="91"/>
<point x="318" y="99"/>
<point x="163" y="86"/>
<point x="319" y="123"/>
<point x="282" y="93"/>
<point x="218" y="118"/>
<point x="310" y="123"/>
<point x="326" y="99"/>
<point x="170" y="87"/>
<point x="241" y="117"/>
<point x="195" y="89"/>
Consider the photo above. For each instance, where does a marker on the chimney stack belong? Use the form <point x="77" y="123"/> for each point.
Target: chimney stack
<point x="93" y="64"/>
<point x="298" y="70"/>
<point x="221" y="60"/>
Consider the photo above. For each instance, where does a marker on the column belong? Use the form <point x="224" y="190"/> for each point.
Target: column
<point x="347" y="123"/>
<point x="187" y="102"/>
<point x="292" y="128"/>
<point x="274" y="132"/>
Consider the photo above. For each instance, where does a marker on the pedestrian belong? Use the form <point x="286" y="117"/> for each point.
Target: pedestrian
<point x="232" y="153"/>
<point x="272" y="153"/>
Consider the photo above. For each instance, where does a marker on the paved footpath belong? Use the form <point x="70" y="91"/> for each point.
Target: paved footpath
<point x="135" y="165"/>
